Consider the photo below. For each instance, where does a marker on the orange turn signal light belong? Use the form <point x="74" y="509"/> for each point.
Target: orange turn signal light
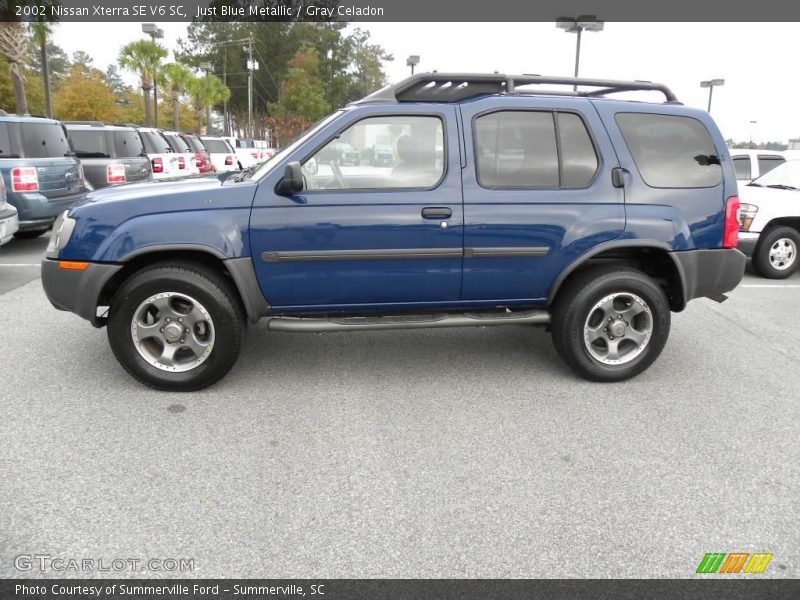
<point x="73" y="265"/>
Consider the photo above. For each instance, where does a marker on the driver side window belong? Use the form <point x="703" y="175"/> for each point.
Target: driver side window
<point x="387" y="152"/>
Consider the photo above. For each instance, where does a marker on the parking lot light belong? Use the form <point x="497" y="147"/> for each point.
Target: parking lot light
<point x="412" y="61"/>
<point x="710" y="84"/>
<point x="578" y="26"/>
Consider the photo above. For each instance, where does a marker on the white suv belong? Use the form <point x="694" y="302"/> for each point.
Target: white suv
<point x="9" y="221"/>
<point x="163" y="160"/>
<point x="751" y="164"/>
<point x="769" y="221"/>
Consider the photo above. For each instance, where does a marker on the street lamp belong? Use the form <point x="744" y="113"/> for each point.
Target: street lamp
<point x="412" y="61"/>
<point x="579" y="25"/>
<point x="710" y="84"/>
<point x="207" y="67"/>
<point x="154" y="32"/>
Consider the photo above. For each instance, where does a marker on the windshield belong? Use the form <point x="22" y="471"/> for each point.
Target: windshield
<point x="245" y="144"/>
<point x="217" y="146"/>
<point x="127" y="144"/>
<point x="89" y="143"/>
<point x="270" y="164"/>
<point x="786" y="175"/>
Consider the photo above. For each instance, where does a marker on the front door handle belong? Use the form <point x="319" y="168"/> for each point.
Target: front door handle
<point x="437" y="212"/>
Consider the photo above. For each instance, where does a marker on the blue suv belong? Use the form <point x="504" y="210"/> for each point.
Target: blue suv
<point x="41" y="172"/>
<point x="501" y="203"/>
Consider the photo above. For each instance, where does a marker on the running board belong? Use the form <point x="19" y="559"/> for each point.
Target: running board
<point x="310" y="324"/>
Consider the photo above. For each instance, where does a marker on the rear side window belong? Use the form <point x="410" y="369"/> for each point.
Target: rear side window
<point x="671" y="151"/>
<point x="741" y="165"/>
<point x="767" y="163"/>
<point x="155" y="143"/>
<point x="521" y="149"/>
<point x="194" y="143"/>
<point x="245" y="144"/>
<point x="5" y="142"/>
<point x="127" y="144"/>
<point x="218" y="146"/>
<point x="89" y="143"/>
<point x="44" y="140"/>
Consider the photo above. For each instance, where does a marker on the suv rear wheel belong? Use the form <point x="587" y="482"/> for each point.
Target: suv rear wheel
<point x="176" y="327"/>
<point x="776" y="254"/>
<point x="610" y="324"/>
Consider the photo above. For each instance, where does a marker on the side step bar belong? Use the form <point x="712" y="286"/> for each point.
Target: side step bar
<point x="316" y="324"/>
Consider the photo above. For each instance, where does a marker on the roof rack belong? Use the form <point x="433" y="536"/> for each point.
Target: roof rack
<point x="454" y="87"/>
<point x="92" y="123"/>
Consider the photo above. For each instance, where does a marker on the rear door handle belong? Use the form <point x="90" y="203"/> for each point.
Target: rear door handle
<point x="437" y="212"/>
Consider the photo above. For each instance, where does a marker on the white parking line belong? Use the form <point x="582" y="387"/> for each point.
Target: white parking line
<point x="770" y="285"/>
<point x="20" y="265"/>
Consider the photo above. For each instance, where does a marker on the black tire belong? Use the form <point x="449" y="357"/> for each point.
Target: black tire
<point x="761" y="256"/>
<point x="574" y="306"/>
<point x="202" y="284"/>
<point x="30" y="234"/>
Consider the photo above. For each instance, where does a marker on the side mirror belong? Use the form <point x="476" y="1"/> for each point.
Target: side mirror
<point x="292" y="182"/>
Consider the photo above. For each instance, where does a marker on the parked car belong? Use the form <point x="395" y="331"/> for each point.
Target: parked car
<point x="246" y="152"/>
<point x="202" y="158"/>
<point x="221" y="153"/>
<point x="751" y="164"/>
<point x="382" y="155"/>
<point x="770" y="221"/>
<point x="164" y="162"/>
<point x="9" y="223"/>
<point x="607" y="216"/>
<point x="42" y="176"/>
<point x="109" y="154"/>
<point x="187" y="161"/>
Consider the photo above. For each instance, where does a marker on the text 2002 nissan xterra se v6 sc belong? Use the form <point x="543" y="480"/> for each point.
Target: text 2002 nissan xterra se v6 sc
<point x="501" y="204"/>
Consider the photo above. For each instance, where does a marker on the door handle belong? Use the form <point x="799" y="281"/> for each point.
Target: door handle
<point x="437" y="212"/>
<point x="618" y="177"/>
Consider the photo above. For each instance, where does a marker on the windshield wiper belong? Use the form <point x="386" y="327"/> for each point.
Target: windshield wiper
<point x="780" y="186"/>
<point x="754" y="184"/>
<point x="245" y="173"/>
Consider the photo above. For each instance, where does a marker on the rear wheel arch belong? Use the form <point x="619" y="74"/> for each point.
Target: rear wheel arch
<point x="652" y="258"/>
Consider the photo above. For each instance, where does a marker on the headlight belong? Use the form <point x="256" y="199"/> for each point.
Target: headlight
<point x="62" y="231"/>
<point x="747" y="212"/>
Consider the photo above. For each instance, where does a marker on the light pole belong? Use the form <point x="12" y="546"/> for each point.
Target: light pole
<point x="752" y="126"/>
<point x="412" y="61"/>
<point x="154" y="32"/>
<point x="207" y="67"/>
<point x="578" y="26"/>
<point x="710" y="84"/>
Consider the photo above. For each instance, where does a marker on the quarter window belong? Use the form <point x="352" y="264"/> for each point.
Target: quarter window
<point x="521" y="149"/>
<point x="671" y="151"/>
<point x="387" y="152"/>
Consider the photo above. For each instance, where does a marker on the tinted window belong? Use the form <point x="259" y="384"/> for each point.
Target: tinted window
<point x="742" y="166"/>
<point x="177" y="143"/>
<point x="517" y="149"/>
<point x="89" y="143"/>
<point x="670" y="151"/>
<point x="194" y="143"/>
<point x="218" y="146"/>
<point x="350" y="162"/>
<point x="245" y="144"/>
<point x="578" y="158"/>
<point x="155" y="143"/>
<point x="43" y="140"/>
<point x="767" y="163"/>
<point x="127" y="144"/>
<point x="5" y="143"/>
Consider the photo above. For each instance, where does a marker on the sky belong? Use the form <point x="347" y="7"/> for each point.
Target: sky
<point x="752" y="58"/>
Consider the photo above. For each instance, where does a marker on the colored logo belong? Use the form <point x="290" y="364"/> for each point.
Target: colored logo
<point x="734" y="562"/>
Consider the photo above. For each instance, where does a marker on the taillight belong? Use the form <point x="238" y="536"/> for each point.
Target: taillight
<point x="181" y="162"/>
<point x="115" y="173"/>
<point x="158" y="165"/>
<point x="199" y="160"/>
<point x="254" y="155"/>
<point x="229" y="160"/>
<point x="730" y="236"/>
<point x="24" y="179"/>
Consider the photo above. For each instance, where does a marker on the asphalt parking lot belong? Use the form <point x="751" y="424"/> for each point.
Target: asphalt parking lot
<point x="440" y="453"/>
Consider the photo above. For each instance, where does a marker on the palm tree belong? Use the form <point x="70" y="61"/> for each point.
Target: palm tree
<point x="13" y="43"/>
<point x="144" y="58"/>
<point x="177" y="78"/>
<point x="41" y="30"/>
<point x="205" y="92"/>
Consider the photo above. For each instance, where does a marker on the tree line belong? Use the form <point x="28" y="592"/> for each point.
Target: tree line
<point x="304" y="71"/>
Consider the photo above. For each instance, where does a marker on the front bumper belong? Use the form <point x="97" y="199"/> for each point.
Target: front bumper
<point x="747" y="243"/>
<point x="9" y="223"/>
<point x="709" y="272"/>
<point x="76" y="291"/>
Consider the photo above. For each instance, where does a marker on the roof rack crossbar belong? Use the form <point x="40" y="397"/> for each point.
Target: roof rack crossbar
<point x="453" y="87"/>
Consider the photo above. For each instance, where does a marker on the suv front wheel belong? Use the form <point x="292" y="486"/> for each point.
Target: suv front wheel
<point x="610" y="324"/>
<point x="176" y="327"/>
